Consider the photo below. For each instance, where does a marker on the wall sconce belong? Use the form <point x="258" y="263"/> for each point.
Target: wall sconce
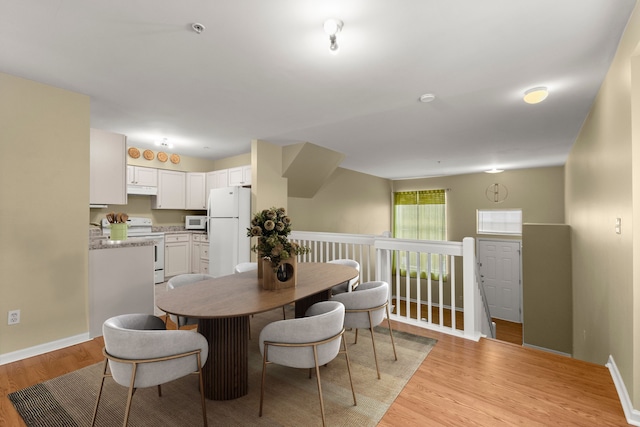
<point x="332" y="27"/>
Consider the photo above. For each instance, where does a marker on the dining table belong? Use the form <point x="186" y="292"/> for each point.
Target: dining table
<point x="223" y="306"/>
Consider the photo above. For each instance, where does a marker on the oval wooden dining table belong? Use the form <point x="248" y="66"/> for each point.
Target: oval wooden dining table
<point x="223" y="306"/>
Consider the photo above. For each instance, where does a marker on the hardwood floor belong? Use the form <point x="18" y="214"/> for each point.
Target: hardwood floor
<point x="460" y="383"/>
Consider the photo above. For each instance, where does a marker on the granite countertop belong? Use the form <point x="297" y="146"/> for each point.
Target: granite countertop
<point x="98" y="241"/>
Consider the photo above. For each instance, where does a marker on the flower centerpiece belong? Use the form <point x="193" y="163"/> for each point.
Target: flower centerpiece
<point x="272" y="227"/>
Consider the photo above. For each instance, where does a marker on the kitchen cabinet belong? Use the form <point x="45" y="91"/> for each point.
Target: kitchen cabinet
<point x="200" y="254"/>
<point x="138" y="175"/>
<point x="195" y="191"/>
<point x="177" y="250"/>
<point x="171" y="190"/>
<point x="240" y="176"/>
<point x="217" y="179"/>
<point x="107" y="168"/>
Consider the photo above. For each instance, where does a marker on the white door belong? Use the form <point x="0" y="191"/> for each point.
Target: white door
<point x="500" y="277"/>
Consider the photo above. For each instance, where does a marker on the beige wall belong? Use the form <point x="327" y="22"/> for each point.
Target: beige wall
<point x="187" y="164"/>
<point x="348" y="202"/>
<point x="539" y="192"/>
<point x="44" y="188"/>
<point x="601" y="171"/>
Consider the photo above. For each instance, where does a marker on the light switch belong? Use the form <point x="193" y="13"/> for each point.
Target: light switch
<point x="618" y="225"/>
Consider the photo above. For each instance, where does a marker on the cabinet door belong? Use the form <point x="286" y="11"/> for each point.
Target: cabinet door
<point x="217" y="179"/>
<point x="147" y="177"/>
<point x="195" y="257"/>
<point x="240" y="176"/>
<point x="177" y="251"/>
<point x="171" y="190"/>
<point x="107" y="168"/>
<point x="195" y="197"/>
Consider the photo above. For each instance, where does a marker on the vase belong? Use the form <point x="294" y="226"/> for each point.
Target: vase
<point x="283" y="276"/>
<point x="259" y="262"/>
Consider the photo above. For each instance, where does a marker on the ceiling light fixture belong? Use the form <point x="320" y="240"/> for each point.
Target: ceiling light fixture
<point x="494" y="170"/>
<point x="163" y="143"/>
<point x="536" y="95"/>
<point x="427" y="97"/>
<point x="332" y="27"/>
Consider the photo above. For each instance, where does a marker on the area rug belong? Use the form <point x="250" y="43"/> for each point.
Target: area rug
<point x="291" y="398"/>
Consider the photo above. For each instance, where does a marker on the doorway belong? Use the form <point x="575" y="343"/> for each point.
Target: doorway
<point x="499" y="264"/>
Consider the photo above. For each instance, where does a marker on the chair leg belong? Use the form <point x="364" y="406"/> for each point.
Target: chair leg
<point x="346" y="354"/>
<point x="315" y="357"/>
<point x="130" y="394"/>
<point x="373" y="341"/>
<point x="264" y="371"/>
<point x="356" y="340"/>
<point x="104" y="374"/>
<point x="393" y="344"/>
<point x="202" y="401"/>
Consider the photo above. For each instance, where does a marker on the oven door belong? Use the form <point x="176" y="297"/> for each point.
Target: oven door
<point x="158" y="256"/>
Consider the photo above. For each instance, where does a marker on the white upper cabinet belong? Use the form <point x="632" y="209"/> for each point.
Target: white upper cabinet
<point x="240" y="176"/>
<point x="138" y="175"/>
<point x="217" y="179"/>
<point x="195" y="191"/>
<point x="107" y="168"/>
<point x="171" y="190"/>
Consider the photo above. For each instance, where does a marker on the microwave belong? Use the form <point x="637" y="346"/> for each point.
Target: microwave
<point x="195" y="222"/>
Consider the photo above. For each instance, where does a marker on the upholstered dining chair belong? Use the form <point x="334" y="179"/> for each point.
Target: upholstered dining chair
<point x="246" y="266"/>
<point x="365" y="308"/>
<point x="351" y="284"/>
<point x="306" y="342"/>
<point x="182" y="280"/>
<point x="140" y="352"/>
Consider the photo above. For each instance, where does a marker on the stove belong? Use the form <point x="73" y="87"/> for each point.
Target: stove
<point x="142" y="228"/>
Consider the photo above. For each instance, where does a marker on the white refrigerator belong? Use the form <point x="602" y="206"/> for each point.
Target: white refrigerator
<point x="229" y="216"/>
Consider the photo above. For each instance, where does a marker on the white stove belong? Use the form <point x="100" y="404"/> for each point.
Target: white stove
<point x="139" y="227"/>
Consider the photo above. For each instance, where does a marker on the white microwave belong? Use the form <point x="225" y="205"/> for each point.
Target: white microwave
<point x="195" y="222"/>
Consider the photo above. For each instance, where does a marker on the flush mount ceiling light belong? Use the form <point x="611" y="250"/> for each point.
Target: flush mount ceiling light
<point x="427" y="97"/>
<point x="494" y="170"/>
<point x="332" y="27"/>
<point x="536" y="95"/>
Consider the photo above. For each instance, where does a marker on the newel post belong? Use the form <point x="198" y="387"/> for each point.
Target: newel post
<point x="471" y="323"/>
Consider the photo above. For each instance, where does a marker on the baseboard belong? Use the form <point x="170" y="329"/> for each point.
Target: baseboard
<point x="43" y="348"/>
<point x="632" y="415"/>
<point x="561" y="353"/>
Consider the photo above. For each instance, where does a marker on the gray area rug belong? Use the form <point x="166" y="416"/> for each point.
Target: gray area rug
<point x="291" y="398"/>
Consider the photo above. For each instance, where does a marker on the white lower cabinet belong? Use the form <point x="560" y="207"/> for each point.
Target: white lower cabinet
<point x="199" y="253"/>
<point x="177" y="254"/>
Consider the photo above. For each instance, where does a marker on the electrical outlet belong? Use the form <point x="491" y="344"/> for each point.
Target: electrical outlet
<point x="14" y="317"/>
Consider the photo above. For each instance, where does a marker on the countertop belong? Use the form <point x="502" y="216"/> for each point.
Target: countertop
<point x="98" y="241"/>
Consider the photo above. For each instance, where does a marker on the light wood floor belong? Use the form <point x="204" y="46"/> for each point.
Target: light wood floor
<point x="460" y="383"/>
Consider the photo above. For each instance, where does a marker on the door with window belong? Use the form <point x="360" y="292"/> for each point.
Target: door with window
<point x="500" y="276"/>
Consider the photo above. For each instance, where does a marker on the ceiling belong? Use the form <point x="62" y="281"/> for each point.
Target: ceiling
<point x="263" y="70"/>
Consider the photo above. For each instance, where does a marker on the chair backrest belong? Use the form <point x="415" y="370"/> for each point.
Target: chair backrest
<point x="322" y="320"/>
<point x="186" y="279"/>
<point x="350" y="263"/>
<point x="367" y="295"/>
<point x="143" y="336"/>
<point x="246" y="266"/>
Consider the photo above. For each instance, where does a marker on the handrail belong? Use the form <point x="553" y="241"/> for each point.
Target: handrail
<point x="375" y="255"/>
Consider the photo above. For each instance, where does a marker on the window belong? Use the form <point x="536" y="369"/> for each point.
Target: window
<point x="500" y="221"/>
<point x="420" y="215"/>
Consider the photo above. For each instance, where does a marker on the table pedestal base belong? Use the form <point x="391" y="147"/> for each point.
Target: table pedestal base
<point x="226" y="371"/>
<point x="303" y="304"/>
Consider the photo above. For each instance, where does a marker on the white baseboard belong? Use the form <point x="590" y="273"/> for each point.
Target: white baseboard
<point x="43" y="348"/>
<point x="632" y="415"/>
<point x="561" y="353"/>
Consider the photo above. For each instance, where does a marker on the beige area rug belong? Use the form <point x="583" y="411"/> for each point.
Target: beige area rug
<point x="291" y="398"/>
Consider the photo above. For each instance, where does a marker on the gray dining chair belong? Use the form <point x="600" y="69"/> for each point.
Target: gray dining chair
<point x="183" y="280"/>
<point x="365" y="309"/>
<point x="139" y="352"/>
<point x="246" y="266"/>
<point x="306" y="342"/>
<point x="351" y="284"/>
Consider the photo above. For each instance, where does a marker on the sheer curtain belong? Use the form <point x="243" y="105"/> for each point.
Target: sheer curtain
<point x="420" y="215"/>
